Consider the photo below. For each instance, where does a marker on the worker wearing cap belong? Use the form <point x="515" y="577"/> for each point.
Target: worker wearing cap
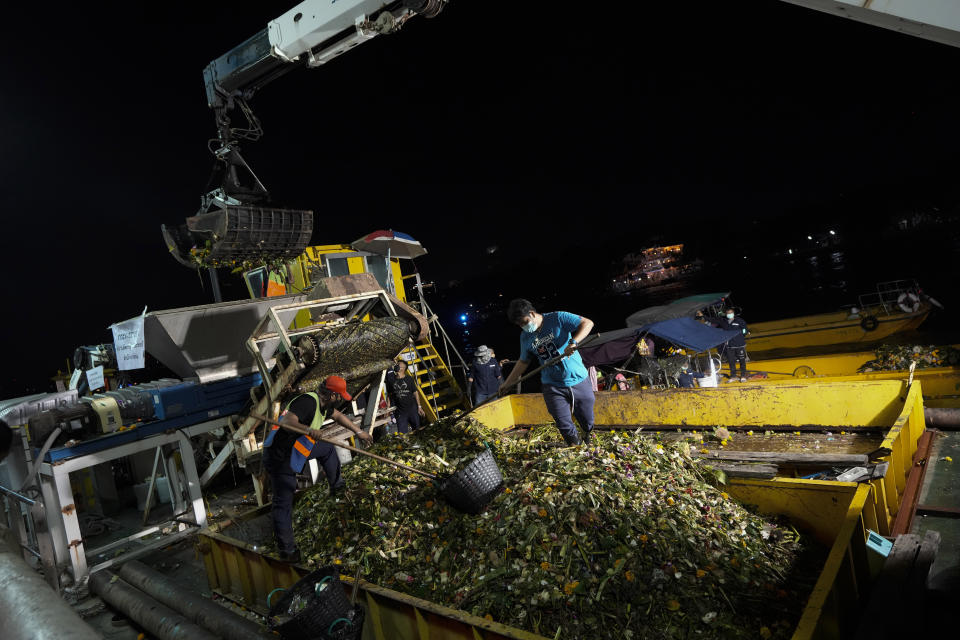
<point x="485" y="374"/>
<point x="685" y="379"/>
<point x="286" y="453"/>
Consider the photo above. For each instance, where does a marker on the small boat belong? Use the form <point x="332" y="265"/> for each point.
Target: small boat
<point x="895" y="306"/>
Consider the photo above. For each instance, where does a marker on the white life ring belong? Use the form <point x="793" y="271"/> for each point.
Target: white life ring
<point x="912" y="298"/>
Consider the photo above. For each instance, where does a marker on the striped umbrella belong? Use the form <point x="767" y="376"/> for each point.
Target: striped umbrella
<point x="390" y="243"/>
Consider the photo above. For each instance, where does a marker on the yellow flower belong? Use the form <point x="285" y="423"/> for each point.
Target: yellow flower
<point x="488" y="617"/>
<point x="643" y="539"/>
<point x="749" y="433"/>
<point x="701" y="573"/>
<point x="548" y="490"/>
<point x="724" y="495"/>
<point x="542" y="513"/>
<point x="734" y="563"/>
<point x="508" y="490"/>
<point x="440" y="519"/>
<point x="613" y="455"/>
<point x="704" y="450"/>
<point x="670" y="501"/>
<point x="570" y="586"/>
<point x="628" y="575"/>
<point x="948" y="458"/>
<point x="673" y="605"/>
<point x="338" y="561"/>
<point x="545" y="566"/>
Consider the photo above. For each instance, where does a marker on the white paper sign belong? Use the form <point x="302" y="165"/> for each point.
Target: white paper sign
<point x="75" y="378"/>
<point x="95" y="378"/>
<point x="128" y="342"/>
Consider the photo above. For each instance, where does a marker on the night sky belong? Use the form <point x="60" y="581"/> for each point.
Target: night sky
<point x="562" y="138"/>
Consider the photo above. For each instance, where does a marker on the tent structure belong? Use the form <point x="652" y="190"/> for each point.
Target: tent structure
<point x="673" y="322"/>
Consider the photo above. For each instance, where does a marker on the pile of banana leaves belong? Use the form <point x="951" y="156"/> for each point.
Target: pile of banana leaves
<point x="893" y="357"/>
<point x="630" y="537"/>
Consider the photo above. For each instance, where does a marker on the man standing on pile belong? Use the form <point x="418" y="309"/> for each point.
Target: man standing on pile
<point x="285" y="454"/>
<point x="566" y="384"/>
<point x="485" y="375"/>
<point x="736" y="347"/>
<point x="403" y="392"/>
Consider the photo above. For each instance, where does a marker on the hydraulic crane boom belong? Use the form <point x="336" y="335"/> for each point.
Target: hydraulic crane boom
<point x="232" y="224"/>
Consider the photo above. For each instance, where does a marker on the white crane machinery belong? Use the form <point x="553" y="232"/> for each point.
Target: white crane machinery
<point x="235" y="223"/>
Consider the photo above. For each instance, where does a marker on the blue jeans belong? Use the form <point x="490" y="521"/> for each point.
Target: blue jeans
<point x="481" y="397"/>
<point x="285" y="485"/>
<point x="558" y="401"/>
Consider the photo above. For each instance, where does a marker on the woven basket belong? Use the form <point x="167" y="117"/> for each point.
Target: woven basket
<point x="473" y="487"/>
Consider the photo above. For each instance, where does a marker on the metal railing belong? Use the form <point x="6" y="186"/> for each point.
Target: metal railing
<point x="18" y="519"/>
<point x="887" y="295"/>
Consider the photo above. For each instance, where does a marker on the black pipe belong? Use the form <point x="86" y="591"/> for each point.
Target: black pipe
<point x="29" y="608"/>
<point x="160" y="621"/>
<point x="942" y="418"/>
<point x="196" y="608"/>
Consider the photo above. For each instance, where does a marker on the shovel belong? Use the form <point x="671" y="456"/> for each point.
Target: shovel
<point x="470" y="489"/>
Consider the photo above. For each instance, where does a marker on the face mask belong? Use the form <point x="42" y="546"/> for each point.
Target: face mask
<point x="530" y="327"/>
<point x="729" y="316"/>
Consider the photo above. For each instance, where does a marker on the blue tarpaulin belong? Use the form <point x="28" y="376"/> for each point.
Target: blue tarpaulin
<point x="613" y="347"/>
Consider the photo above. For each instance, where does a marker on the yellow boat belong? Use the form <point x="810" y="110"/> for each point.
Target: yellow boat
<point x="941" y="385"/>
<point x="894" y="307"/>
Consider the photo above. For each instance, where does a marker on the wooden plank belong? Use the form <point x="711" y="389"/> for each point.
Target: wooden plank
<point x="888" y="592"/>
<point x="786" y="457"/>
<point x="759" y="471"/>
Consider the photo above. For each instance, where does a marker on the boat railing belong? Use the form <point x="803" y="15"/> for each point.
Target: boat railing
<point x="887" y="295"/>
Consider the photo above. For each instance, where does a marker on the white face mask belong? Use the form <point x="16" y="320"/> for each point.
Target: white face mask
<point x="530" y="327"/>
<point x="729" y="316"/>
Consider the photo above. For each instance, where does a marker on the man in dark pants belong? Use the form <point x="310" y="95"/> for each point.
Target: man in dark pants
<point x="285" y="453"/>
<point x="403" y="392"/>
<point x="736" y="347"/>
<point x="546" y="337"/>
<point x="485" y="375"/>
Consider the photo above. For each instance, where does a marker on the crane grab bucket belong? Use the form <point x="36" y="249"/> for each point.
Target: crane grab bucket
<point x="236" y="234"/>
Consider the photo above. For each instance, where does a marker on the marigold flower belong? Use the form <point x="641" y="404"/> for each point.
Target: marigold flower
<point x="545" y="566"/>
<point x="628" y="575"/>
<point x="643" y="538"/>
<point x="542" y="513"/>
<point x="701" y="573"/>
<point x="508" y="490"/>
<point x="570" y="586"/>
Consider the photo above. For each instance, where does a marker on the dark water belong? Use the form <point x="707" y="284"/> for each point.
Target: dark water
<point x="768" y="279"/>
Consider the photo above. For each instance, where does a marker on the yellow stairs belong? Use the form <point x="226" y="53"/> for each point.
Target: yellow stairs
<point x="440" y="395"/>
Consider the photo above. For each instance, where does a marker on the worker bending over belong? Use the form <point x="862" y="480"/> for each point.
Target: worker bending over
<point x="286" y="453"/>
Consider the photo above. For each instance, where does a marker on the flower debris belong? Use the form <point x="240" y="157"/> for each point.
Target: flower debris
<point x="627" y="537"/>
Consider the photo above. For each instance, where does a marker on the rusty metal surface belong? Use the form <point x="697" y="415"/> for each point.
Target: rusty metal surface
<point x="911" y="493"/>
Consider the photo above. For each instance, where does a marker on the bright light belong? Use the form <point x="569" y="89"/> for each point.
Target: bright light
<point x="463" y="317"/>
<point x="809" y="237"/>
<point x="832" y="232"/>
<point x="790" y="251"/>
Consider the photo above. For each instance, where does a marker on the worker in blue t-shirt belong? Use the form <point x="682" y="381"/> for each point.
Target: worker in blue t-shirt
<point x="485" y="375"/>
<point x="566" y="384"/>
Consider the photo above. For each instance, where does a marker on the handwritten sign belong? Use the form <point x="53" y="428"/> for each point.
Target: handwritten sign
<point x="95" y="378"/>
<point x="128" y="342"/>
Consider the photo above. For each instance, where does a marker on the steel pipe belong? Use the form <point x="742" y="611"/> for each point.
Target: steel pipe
<point x="160" y="621"/>
<point x="29" y="608"/>
<point x="942" y="418"/>
<point x="196" y="608"/>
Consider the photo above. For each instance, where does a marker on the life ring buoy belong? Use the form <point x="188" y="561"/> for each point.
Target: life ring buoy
<point x="912" y="299"/>
<point x="869" y="323"/>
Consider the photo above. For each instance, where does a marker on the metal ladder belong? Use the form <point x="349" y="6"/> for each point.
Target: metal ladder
<point x="440" y="394"/>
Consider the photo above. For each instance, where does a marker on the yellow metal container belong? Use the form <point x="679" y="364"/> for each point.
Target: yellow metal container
<point x="941" y="385"/>
<point x="837" y="514"/>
